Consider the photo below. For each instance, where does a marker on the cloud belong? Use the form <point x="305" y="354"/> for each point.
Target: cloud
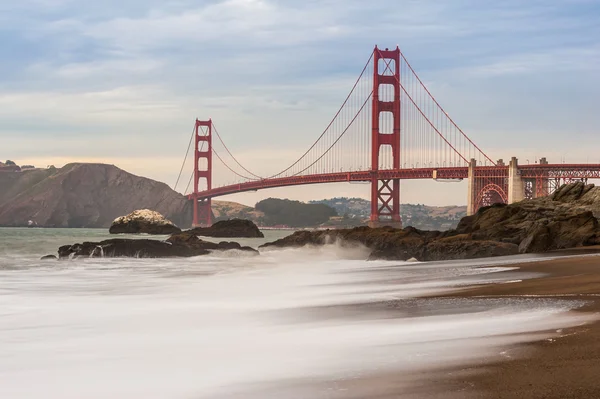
<point x="117" y="79"/>
<point x="570" y="60"/>
<point x="110" y="107"/>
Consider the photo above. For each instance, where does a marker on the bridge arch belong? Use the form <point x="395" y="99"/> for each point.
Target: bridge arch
<point x="491" y="194"/>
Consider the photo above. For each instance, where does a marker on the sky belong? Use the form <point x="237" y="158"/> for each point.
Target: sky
<point x="122" y="82"/>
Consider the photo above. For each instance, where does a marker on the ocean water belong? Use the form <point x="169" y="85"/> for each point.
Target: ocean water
<point x="294" y="323"/>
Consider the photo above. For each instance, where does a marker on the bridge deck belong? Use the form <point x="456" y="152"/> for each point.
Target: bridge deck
<point x="557" y="171"/>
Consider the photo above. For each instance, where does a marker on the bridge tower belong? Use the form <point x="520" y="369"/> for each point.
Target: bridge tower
<point x="202" y="151"/>
<point x="385" y="193"/>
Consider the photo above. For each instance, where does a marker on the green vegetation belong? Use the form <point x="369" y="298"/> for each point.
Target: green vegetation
<point x="225" y="210"/>
<point x="293" y="213"/>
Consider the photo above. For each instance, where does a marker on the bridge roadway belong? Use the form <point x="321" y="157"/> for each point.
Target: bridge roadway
<point x="533" y="171"/>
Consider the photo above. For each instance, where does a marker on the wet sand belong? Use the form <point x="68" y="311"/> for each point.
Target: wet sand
<point x="564" y="366"/>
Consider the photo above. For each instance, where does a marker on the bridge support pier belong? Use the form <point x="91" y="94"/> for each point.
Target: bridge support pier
<point x="516" y="188"/>
<point x="202" y="212"/>
<point x="542" y="182"/>
<point x="385" y="201"/>
<point x="472" y="192"/>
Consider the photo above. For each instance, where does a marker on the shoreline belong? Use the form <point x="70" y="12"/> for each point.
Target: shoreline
<point x="564" y="366"/>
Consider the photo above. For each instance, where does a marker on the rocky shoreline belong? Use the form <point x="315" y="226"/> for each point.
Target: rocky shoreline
<point x="566" y="219"/>
<point x="178" y="245"/>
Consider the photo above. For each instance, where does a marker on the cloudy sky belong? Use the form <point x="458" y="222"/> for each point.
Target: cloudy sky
<point x="121" y="82"/>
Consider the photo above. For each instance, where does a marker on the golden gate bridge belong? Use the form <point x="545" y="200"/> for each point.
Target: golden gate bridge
<point x="389" y="128"/>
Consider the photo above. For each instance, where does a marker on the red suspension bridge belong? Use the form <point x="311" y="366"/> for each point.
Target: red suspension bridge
<point x="389" y="128"/>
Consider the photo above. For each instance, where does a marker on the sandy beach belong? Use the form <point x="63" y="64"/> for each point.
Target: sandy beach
<point x="564" y="366"/>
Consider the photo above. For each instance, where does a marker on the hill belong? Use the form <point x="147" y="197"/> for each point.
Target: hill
<point x="224" y="210"/>
<point x="84" y="195"/>
<point x="284" y="212"/>
<point x="356" y="211"/>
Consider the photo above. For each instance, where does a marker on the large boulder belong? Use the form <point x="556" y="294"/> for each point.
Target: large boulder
<point x="178" y="245"/>
<point x="543" y="224"/>
<point x="143" y="221"/>
<point x="230" y="228"/>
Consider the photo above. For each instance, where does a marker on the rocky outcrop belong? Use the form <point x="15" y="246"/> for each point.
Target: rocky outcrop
<point x="85" y="195"/>
<point x="564" y="220"/>
<point x="400" y="244"/>
<point x="143" y="221"/>
<point x="178" y="245"/>
<point x="585" y="197"/>
<point x="230" y="228"/>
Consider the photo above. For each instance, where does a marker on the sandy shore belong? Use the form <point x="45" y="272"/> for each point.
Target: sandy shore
<point x="566" y="366"/>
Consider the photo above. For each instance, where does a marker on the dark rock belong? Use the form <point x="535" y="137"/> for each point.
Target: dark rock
<point x="49" y="257"/>
<point x="189" y="239"/>
<point x="536" y="225"/>
<point x="178" y="245"/>
<point x="386" y="242"/>
<point x="538" y="240"/>
<point x="230" y="228"/>
<point x="143" y="221"/>
<point x="571" y="192"/>
<point x="564" y="220"/>
<point x="467" y="249"/>
<point x="121" y="247"/>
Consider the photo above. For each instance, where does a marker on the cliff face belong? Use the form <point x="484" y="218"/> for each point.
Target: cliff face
<point x="85" y="195"/>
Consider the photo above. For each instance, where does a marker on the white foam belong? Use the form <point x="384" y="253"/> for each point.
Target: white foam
<point x="209" y="326"/>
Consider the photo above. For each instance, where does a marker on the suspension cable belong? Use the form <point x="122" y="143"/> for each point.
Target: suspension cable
<point x="441" y="108"/>
<point x="330" y="123"/>
<point x="189" y="183"/>
<point x="192" y="175"/>
<point x="234" y="158"/>
<point x="185" y="158"/>
<point x="340" y="136"/>
<point x="227" y="166"/>
<point x="423" y="114"/>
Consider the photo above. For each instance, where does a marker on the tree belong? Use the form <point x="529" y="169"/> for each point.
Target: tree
<point x="294" y="213"/>
<point x="9" y="163"/>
